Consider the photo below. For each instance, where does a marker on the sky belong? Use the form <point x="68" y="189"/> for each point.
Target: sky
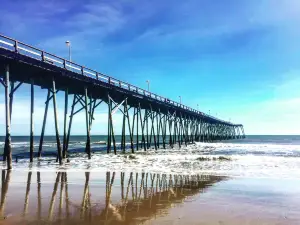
<point x="237" y="59"/>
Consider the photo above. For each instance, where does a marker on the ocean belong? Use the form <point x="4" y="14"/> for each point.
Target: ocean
<point x="245" y="181"/>
<point x="254" y="156"/>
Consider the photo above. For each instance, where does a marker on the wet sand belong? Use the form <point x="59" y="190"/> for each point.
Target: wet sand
<point x="145" y="198"/>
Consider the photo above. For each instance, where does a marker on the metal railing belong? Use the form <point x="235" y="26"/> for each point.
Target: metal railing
<point x="27" y="50"/>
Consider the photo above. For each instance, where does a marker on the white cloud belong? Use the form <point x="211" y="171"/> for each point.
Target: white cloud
<point x="272" y="117"/>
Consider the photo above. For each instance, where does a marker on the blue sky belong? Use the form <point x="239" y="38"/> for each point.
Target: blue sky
<point x="239" y="59"/>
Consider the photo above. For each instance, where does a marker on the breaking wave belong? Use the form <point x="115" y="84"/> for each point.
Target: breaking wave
<point x="254" y="160"/>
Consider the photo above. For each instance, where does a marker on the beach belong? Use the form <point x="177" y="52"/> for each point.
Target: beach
<point x="239" y="182"/>
<point x="145" y="198"/>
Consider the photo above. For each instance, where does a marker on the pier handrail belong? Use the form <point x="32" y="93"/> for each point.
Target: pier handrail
<point x="25" y="49"/>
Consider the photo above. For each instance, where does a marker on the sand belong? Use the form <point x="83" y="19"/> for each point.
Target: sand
<point x="81" y="197"/>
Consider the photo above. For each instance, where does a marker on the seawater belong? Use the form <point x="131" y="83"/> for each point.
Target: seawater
<point x="255" y="156"/>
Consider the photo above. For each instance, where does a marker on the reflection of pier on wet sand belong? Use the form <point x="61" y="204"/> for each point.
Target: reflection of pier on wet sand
<point x="141" y="196"/>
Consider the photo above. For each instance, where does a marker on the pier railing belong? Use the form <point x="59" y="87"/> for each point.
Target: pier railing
<point x="27" y="50"/>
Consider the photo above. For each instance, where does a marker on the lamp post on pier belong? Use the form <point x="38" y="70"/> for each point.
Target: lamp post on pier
<point x="148" y="82"/>
<point x="68" y="43"/>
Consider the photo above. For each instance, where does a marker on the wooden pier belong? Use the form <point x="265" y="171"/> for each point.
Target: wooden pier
<point x="158" y="120"/>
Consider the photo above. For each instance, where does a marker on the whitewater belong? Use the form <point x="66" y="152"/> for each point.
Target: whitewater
<point x="242" y="160"/>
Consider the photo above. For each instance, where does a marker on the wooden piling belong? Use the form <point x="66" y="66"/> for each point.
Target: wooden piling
<point x="137" y="129"/>
<point x="201" y="130"/>
<point x="123" y="142"/>
<point x="147" y="133"/>
<point x="91" y="111"/>
<point x="151" y="130"/>
<point x="170" y="130"/>
<point x="191" y="127"/>
<point x="129" y="127"/>
<point x="133" y="124"/>
<point x="179" y="133"/>
<point x="158" y="126"/>
<point x="59" y="153"/>
<point x="108" y="127"/>
<point x="44" y="125"/>
<point x="7" y="150"/>
<point x="65" y="124"/>
<point x="88" y="141"/>
<point x="142" y="127"/>
<point x="111" y="126"/>
<point x="11" y="95"/>
<point x="31" y="119"/>
<point x="152" y="127"/>
<point x="174" y="129"/>
<point x="164" y="131"/>
<point x="70" y="123"/>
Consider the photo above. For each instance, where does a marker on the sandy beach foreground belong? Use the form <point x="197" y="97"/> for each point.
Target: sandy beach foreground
<point x="144" y="198"/>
